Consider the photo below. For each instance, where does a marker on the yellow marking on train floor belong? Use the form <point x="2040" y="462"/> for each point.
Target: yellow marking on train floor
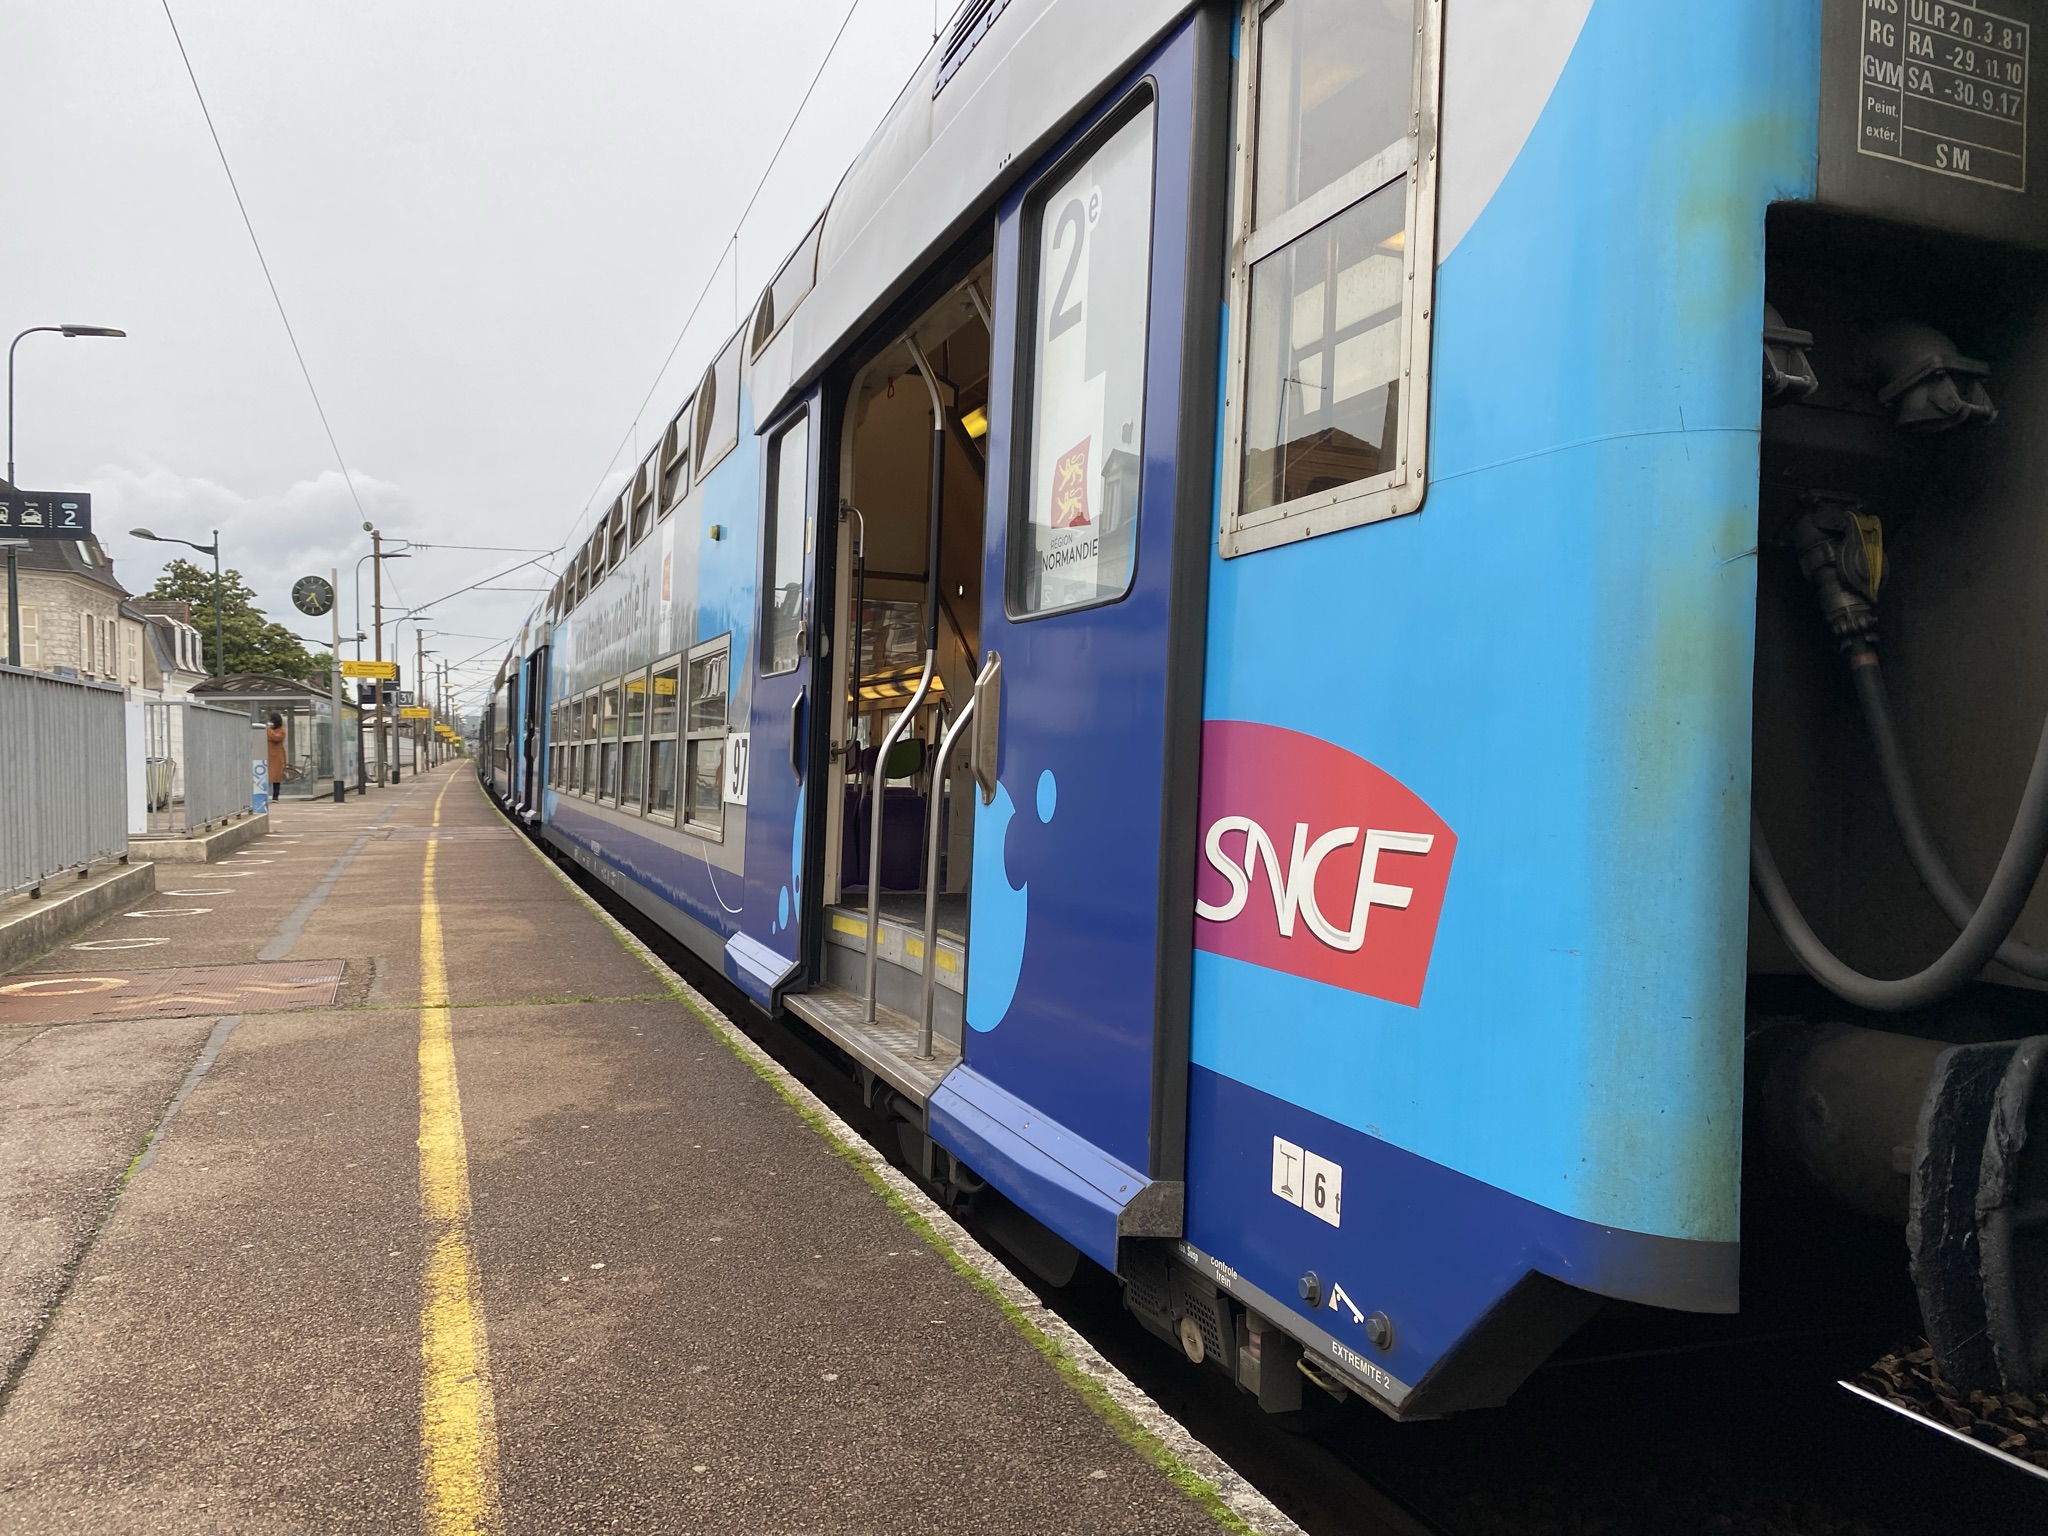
<point x="458" y="1417"/>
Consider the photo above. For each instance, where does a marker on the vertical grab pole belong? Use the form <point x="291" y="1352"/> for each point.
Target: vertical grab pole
<point x="931" y="884"/>
<point x="924" y="684"/>
<point x="924" y="681"/>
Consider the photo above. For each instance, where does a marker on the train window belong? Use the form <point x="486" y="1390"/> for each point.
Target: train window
<point x="797" y="277"/>
<point x="663" y="715"/>
<point x="704" y="718"/>
<point x="608" y="743"/>
<point x="1327" y="419"/>
<point x="1074" y="539"/>
<point x="615" y="534"/>
<point x="572" y="749"/>
<point x="718" y="409"/>
<point x="633" y="742"/>
<point x="675" y="459"/>
<point x="589" y="784"/>
<point x="643" y="495"/>
<point x="782" y="561"/>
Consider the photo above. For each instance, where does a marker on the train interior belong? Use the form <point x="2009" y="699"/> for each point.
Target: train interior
<point x="908" y="580"/>
<point x="1901" y="682"/>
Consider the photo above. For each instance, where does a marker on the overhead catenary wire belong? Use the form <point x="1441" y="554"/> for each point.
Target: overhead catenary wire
<point x="249" y="224"/>
<point x="711" y="279"/>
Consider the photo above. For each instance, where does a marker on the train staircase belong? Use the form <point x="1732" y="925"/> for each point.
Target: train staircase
<point x="888" y="1045"/>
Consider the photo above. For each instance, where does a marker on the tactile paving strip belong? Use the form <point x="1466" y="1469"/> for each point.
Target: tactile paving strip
<point x="183" y="992"/>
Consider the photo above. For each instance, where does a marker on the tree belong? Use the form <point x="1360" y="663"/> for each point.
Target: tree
<point x="253" y="643"/>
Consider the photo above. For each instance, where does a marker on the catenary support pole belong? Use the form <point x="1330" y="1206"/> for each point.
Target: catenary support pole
<point x="334" y="683"/>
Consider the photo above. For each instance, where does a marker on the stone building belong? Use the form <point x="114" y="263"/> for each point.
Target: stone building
<point x="77" y="620"/>
<point x="180" y="660"/>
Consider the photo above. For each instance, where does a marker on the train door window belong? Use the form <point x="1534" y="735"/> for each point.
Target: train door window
<point x="782" y="560"/>
<point x="633" y="743"/>
<point x="1327" y="417"/>
<point x="718" y="408"/>
<point x="608" y="743"/>
<point x="1075" y="537"/>
<point x="704" y="719"/>
<point x="664" y="713"/>
<point x="675" y="459"/>
<point x="615" y="534"/>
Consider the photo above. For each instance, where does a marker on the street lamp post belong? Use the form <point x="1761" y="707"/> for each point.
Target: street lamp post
<point x="13" y="546"/>
<point x="220" y="655"/>
<point x="60" y="330"/>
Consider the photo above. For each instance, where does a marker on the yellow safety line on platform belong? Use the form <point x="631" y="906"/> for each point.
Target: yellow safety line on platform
<point x="458" y="1418"/>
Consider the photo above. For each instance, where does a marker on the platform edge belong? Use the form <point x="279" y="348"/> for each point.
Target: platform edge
<point x="1140" y="1422"/>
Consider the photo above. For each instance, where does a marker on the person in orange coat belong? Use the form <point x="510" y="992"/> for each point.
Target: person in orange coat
<point x="274" y="739"/>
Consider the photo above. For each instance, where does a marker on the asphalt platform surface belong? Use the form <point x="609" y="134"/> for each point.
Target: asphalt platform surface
<point x="216" y="1255"/>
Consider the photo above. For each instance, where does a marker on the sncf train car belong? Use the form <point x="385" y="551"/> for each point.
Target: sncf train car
<point x="1382" y="663"/>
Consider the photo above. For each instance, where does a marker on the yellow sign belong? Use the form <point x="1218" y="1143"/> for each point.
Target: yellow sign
<point x="388" y="670"/>
<point x="416" y="712"/>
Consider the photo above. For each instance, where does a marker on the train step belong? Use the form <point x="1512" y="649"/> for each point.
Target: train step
<point x="886" y="1045"/>
<point x="899" y="971"/>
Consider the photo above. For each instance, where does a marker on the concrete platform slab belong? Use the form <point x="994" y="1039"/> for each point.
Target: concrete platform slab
<point x="33" y="925"/>
<point x="706" y="1309"/>
<point x="205" y="847"/>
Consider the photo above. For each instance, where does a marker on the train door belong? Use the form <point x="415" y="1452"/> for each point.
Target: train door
<point x="1101" y="447"/>
<point x="767" y="769"/>
<point x="533" y="736"/>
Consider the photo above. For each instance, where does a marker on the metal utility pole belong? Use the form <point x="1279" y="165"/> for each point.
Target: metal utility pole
<point x="334" y="680"/>
<point x="387" y="768"/>
<point x="419" y="686"/>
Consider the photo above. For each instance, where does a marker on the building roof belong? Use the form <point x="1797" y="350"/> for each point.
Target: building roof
<point x="259" y="684"/>
<point x="71" y="557"/>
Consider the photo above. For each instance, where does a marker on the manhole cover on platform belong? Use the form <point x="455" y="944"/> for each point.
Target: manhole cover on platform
<point x="184" y="992"/>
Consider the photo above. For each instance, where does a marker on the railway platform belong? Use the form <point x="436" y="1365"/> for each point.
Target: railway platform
<point x="373" y="1179"/>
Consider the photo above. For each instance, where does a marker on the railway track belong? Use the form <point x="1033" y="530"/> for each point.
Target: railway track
<point x="1639" y="1425"/>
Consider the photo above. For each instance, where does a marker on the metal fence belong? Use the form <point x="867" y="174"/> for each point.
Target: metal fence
<point x="196" y="765"/>
<point x="63" y="779"/>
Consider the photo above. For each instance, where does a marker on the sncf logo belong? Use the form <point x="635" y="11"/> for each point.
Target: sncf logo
<point x="1316" y="862"/>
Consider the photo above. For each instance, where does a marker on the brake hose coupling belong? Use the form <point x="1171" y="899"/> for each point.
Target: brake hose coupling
<point x="1841" y="551"/>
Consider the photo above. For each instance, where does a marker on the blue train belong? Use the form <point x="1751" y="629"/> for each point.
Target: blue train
<point x="1271" y="630"/>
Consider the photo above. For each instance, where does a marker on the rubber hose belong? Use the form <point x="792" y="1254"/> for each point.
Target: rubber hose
<point x="1921" y="848"/>
<point x="2019" y="865"/>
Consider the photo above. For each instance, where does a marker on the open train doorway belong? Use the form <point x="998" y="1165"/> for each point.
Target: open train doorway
<point x="899" y="822"/>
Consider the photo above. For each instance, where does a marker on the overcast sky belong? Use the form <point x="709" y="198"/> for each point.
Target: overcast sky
<point x="487" y="221"/>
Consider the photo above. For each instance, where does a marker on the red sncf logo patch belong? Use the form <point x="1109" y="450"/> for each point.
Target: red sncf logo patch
<point x="1316" y="862"/>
